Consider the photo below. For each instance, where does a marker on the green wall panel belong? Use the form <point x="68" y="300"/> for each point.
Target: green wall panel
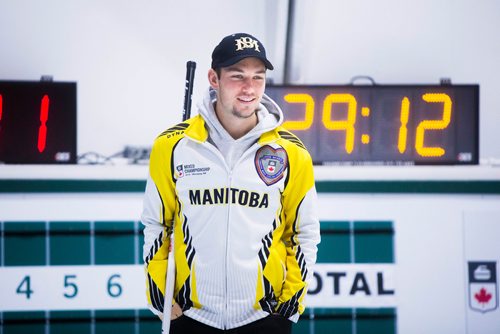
<point x="24" y="243"/>
<point x="122" y="322"/>
<point x="120" y="242"/>
<point x="373" y="242"/>
<point x="114" y="243"/>
<point x="24" y="323"/>
<point x="149" y="323"/>
<point x="69" y="243"/>
<point x="74" y="322"/>
<point x="376" y="321"/>
<point x="335" y="242"/>
<point x="140" y="236"/>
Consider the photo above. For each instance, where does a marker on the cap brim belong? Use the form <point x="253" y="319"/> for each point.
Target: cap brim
<point x="234" y="60"/>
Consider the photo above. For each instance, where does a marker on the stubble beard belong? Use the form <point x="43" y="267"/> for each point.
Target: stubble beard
<point x="238" y="114"/>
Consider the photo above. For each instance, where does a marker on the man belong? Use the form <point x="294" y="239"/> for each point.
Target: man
<point x="238" y="191"/>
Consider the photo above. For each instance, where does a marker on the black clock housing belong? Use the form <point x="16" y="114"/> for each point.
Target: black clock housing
<point x="38" y="123"/>
<point x="383" y="124"/>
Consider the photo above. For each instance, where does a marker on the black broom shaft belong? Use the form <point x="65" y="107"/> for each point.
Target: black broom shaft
<point x="190" y="69"/>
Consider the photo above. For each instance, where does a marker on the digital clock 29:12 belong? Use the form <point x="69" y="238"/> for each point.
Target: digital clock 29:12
<point x="388" y="124"/>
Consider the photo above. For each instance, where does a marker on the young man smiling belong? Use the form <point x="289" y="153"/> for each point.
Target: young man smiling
<point x="237" y="190"/>
<point x="240" y="88"/>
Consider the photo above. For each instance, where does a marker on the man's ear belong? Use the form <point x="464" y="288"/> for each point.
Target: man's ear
<point x="213" y="79"/>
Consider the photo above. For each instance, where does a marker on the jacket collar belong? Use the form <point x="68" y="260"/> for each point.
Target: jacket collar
<point x="198" y="132"/>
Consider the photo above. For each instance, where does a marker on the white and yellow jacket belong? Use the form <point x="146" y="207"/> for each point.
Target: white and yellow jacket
<point x="246" y="232"/>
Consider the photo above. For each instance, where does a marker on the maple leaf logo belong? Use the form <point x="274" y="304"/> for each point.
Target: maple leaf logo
<point x="483" y="297"/>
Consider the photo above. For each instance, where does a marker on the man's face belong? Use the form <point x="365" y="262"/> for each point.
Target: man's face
<point x="240" y="87"/>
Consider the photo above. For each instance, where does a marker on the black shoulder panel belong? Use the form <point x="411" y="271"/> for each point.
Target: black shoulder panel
<point x="176" y="128"/>
<point x="292" y="138"/>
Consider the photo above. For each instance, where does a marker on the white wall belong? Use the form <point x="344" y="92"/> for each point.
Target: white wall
<point x="129" y="57"/>
<point x="405" y="42"/>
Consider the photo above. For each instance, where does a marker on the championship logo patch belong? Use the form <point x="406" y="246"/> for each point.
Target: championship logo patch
<point x="190" y="170"/>
<point x="180" y="171"/>
<point x="483" y="291"/>
<point x="271" y="164"/>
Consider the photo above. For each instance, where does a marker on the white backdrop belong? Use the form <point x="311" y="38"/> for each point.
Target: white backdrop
<point x="129" y="57"/>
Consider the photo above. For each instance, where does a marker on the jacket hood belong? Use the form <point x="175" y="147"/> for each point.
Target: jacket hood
<point x="269" y="115"/>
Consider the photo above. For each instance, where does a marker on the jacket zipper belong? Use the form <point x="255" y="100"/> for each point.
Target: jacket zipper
<point x="229" y="182"/>
<point x="226" y="281"/>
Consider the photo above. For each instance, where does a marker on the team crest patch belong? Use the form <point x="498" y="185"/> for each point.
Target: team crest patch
<point x="483" y="291"/>
<point x="271" y="164"/>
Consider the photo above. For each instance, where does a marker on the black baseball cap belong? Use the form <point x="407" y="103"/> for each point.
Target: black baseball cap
<point x="236" y="47"/>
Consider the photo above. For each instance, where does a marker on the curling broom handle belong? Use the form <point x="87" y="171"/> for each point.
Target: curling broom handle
<point x="170" y="280"/>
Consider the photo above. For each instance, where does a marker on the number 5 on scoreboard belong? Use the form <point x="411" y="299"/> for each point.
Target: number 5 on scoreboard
<point x="71" y="285"/>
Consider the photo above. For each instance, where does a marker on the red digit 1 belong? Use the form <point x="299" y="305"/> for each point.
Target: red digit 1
<point x="44" y="116"/>
<point x="1" y="111"/>
<point x="1" y="105"/>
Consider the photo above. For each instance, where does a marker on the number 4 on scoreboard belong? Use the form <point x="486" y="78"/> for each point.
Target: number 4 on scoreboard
<point x="25" y="287"/>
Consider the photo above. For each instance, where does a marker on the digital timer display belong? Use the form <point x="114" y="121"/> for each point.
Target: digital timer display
<point x="37" y="122"/>
<point x="384" y="124"/>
